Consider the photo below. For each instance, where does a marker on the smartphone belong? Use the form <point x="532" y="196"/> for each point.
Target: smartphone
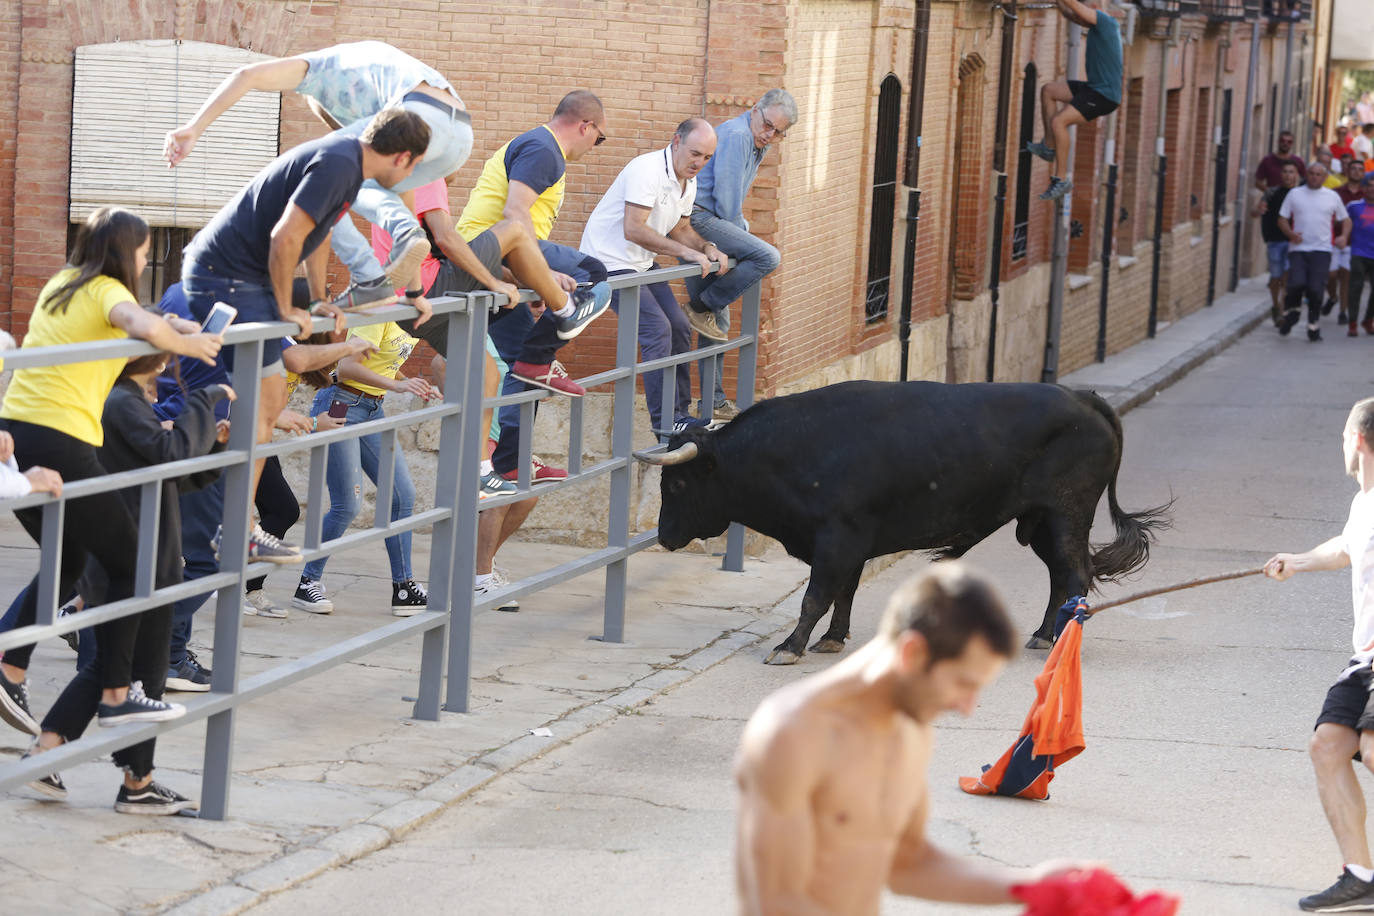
<point x="338" y="409"/>
<point x="222" y="314"/>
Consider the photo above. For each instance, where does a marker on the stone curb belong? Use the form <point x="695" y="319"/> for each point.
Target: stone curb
<point x="339" y="847"/>
<point x="1143" y="389"/>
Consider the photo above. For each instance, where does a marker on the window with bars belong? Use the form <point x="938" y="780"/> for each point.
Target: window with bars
<point x="884" y="208"/>
<point x="1020" y="226"/>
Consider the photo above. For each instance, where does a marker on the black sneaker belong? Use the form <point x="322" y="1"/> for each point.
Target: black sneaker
<point x="50" y="785"/>
<point x="151" y="799"/>
<point x="1329" y="305"/>
<point x="366" y="295"/>
<point x="588" y="304"/>
<point x="1290" y="319"/>
<point x="408" y="598"/>
<point x="189" y="676"/>
<point x="1314" y="334"/>
<point x="271" y="549"/>
<point x="310" y="597"/>
<point x="71" y="639"/>
<point x="14" y="706"/>
<point x="137" y="707"/>
<point x="1349" y="894"/>
<point x="1042" y="150"/>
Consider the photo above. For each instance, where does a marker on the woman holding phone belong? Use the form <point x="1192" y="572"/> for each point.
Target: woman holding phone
<point x="53" y="414"/>
<point x="356" y="397"/>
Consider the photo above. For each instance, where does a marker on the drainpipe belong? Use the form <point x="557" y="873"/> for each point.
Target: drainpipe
<point x="1285" y="112"/>
<point x="1108" y="227"/>
<point x="1242" y="176"/>
<point x="999" y="165"/>
<point x="915" y="115"/>
<point x="1059" y="264"/>
<point x="1161" y="171"/>
<point x="1218" y="201"/>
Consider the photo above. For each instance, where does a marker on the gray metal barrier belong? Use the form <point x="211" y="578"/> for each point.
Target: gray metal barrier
<point x="446" y="627"/>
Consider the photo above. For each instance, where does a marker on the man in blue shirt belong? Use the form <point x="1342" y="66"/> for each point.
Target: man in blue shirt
<point x="1087" y="100"/>
<point x="1361" y="214"/>
<point x="718" y="217"/>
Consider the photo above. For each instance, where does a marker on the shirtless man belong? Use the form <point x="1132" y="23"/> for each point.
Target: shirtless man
<point x="831" y="770"/>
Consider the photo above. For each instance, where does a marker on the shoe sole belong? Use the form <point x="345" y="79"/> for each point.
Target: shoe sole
<point x="182" y="685"/>
<point x="160" y="810"/>
<point x="398" y="271"/>
<point x="274" y="614"/>
<point x="709" y="335"/>
<point x="285" y="559"/>
<point x="546" y="386"/>
<point x="510" y="608"/>
<point x="407" y="611"/>
<point x="311" y="608"/>
<point x="53" y="792"/>
<point x="14" y="714"/>
<point x="159" y="716"/>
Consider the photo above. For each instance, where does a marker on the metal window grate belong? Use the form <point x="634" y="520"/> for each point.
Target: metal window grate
<point x="1020" y="226"/>
<point x="884" y="208"/>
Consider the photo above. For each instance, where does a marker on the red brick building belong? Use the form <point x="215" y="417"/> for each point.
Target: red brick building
<point x="831" y="197"/>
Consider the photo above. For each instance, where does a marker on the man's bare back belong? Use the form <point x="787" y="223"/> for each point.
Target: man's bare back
<point x="832" y="770"/>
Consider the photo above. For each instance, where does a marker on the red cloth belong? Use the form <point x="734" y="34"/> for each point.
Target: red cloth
<point x="1091" y="893"/>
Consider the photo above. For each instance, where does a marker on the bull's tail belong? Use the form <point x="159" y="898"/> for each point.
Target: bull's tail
<point x="1135" y="531"/>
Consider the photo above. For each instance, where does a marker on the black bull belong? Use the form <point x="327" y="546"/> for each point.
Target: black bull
<point x="861" y="469"/>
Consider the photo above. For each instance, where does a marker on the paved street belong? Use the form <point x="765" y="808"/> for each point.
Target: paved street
<point x="1198" y="704"/>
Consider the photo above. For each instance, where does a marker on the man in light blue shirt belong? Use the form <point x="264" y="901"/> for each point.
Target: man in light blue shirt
<point x="718" y="217"/>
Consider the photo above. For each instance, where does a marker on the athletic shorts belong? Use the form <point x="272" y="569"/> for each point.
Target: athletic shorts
<point x="452" y="279"/>
<point x="1348" y="702"/>
<point x="1340" y="258"/>
<point x="1278" y="259"/>
<point x="1089" y="102"/>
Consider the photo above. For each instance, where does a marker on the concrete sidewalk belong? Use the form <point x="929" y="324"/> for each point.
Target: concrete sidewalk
<point x="333" y="769"/>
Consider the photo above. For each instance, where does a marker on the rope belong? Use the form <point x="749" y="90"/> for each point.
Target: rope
<point x="1191" y="583"/>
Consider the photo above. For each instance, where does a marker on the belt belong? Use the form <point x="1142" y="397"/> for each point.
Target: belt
<point x="445" y="107"/>
<point x="344" y="386"/>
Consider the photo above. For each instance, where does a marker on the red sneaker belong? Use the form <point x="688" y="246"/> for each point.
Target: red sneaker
<point x="540" y="472"/>
<point x="1368" y="325"/>
<point x="553" y="377"/>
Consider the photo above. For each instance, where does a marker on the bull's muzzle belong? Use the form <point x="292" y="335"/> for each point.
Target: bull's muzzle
<point x="680" y="455"/>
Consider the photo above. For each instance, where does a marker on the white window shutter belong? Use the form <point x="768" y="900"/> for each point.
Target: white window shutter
<point x="125" y="98"/>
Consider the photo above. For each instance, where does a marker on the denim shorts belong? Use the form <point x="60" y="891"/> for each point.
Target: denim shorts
<point x="255" y="302"/>
<point x="1278" y="259"/>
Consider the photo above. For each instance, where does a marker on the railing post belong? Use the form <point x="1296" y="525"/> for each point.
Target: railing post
<point x="744" y="397"/>
<point x="441" y="578"/>
<point x="473" y="334"/>
<point x="233" y="557"/>
<point x="622" y="442"/>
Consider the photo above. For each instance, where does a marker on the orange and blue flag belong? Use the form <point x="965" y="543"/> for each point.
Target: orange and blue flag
<point x="1053" y="731"/>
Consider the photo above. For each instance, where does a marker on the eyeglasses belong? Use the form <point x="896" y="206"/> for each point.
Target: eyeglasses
<point x="600" y="134"/>
<point x="769" y="127"/>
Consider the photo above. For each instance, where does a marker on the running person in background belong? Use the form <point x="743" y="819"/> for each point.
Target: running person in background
<point x="346" y="86"/>
<point x="1083" y="100"/>
<point x="53" y="414"/>
<point x="1361" y="213"/>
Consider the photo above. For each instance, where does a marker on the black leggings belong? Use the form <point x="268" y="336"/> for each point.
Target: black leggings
<point x="99" y="526"/>
<point x="278" y="509"/>
<point x="1361" y="272"/>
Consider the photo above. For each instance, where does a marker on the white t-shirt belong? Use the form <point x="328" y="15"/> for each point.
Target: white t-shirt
<point x="649" y="181"/>
<point x="1358" y="539"/>
<point x="1311" y="212"/>
<point x="1363" y="147"/>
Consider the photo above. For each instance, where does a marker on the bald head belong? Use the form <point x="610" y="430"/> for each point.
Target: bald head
<point x="694" y="143"/>
<point x="579" y="105"/>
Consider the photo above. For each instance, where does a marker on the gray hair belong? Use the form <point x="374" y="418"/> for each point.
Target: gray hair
<point x="779" y="98"/>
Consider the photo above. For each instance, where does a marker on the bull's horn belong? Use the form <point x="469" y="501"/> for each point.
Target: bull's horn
<point x="683" y="453"/>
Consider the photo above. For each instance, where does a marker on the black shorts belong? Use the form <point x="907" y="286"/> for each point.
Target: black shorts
<point x="1089" y="102"/>
<point x="1348" y="702"/>
<point x="452" y="279"/>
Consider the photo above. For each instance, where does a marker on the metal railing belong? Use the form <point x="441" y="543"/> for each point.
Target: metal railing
<point x="1228" y="10"/>
<point x="445" y="628"/>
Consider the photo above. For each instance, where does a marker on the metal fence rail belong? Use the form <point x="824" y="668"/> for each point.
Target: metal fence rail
<point x="446" y="628"/>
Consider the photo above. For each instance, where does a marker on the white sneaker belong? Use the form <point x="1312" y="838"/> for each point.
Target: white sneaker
<point x="257" y="604"/>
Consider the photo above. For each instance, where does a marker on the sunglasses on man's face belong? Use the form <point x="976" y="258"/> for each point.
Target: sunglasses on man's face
<point x="600" y="134"/>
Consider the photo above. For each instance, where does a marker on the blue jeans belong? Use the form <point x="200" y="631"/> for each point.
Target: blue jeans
<point x="663" y="331"/>
<point x="756" y="260"/>
<point x="346" y="461"/>
<point x="450" y="144"/>
<point x="204" y="287"/>
<point x="519" y="337"/>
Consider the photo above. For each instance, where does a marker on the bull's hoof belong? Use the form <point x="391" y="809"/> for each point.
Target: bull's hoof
<point x="782" y="657"/>
<point x="1038" y="642"/>
<point x="828" y="646"/>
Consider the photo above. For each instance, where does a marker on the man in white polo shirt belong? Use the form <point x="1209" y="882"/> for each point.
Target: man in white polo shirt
<point x="1306" y="218"/>
<point x="646" y="212"/>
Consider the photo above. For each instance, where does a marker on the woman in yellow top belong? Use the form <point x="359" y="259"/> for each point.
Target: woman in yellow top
<point x="53" y="414"/>
<point x="363" y="382"/>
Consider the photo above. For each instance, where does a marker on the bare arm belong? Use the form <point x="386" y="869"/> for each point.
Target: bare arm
<point x="304" y="357"/>
<point x="316" y="266"/>
<point x="1343" y="237"/>
<point x="1286" y="227"/>
<point x="350" y="370"/>
<point x="681" y="241"/>
<point x="456" y="250"/>
<point x="156" y="330"/>
<point x="1078" y="13"/>
<point x="1325" y="556"/>
<point x="520" y="197"/>
<point x="685" y="234"/>
<point x="280" y="75"/>
<point x="778" y="770"/>
<point x="288" y="238"/>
